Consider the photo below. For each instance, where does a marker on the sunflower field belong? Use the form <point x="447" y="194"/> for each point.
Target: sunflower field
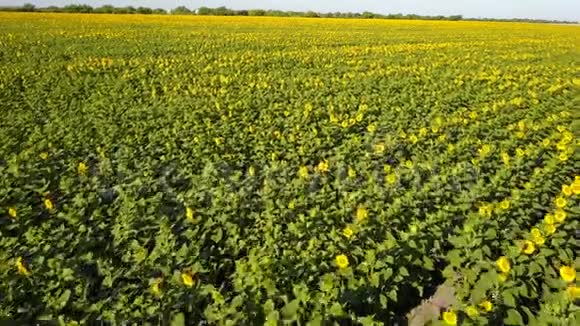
<point x="287" y="171"/>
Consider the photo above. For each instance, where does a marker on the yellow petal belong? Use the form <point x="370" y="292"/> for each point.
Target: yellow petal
<point x="342" y="261"/>
<point x="450" y="318"/>
<point x="487" y="306"/>
<point x="472" y="311"/>
<point x="568" y="273"/>
<point x="187" y="279"/>
<point x="21" y="267"/>
<point x="503" y="264"/>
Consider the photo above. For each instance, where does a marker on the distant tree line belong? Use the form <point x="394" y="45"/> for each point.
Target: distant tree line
<point x="224" y="11"/>
<point x="86" y="9"/>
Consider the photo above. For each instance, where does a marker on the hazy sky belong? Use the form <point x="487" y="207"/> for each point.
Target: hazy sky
<point x="546" y="9"/>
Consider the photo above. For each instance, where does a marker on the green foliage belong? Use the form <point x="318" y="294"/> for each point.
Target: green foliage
<point x="181" y="170"/>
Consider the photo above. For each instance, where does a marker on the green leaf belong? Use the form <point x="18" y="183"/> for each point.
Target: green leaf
<point x="479" y="292"/>
<point x="523" y="290"/>
<point x="367" y="321"/>
<point x="388" y="273"/>
<point x="300" y="291"/>
<point x="336" y="309"/>
<point x="327" y="283"/>
<point x="392" y="295"/>
<point x="534" y="268"/>
<point x="563" y="255"/>
<point x="316" y="320"/>
<point x="272" y="319"/>
<point x="151" y="310"/>
<point x="374" y="279"/>
<point x="529" y="314"/>
<point x="178" y="320"/>
<point x="384" y="301"/>
<point x="217" y="237"/>
<point x="454" y="258"/>
<point x="490" y="234"/>
<point x="63" y="299"/>
<point x="428" y="263"/>
<point x="508" y="299"/>
<point x="290" y="309"/>
<point x="513" y="318"/>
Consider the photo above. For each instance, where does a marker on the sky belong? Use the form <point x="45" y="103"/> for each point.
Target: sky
<point x="536" y="9"/>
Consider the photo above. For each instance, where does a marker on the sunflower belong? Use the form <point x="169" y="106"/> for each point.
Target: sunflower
<point x="503" y="264"/>
<point x="537" y="236"/>
<point x="528" y="247"/>
<point x="156" y="286"/>
<point x="322" y="166"/>
<point x="450" y="317"/>
<point x="472" y="311"/>
<point x="576" y="187"/>
<point x="568" y="273"/>
<point x="303" y="172"/>
<point x="48" y="204"/>
<point x="573" y="292"/>
<point x="560" y="215"/>
<point x="82" y="168"/>
<point x="391" y="178"/>
<point x="361" y="214"/>
<point x="341" y="261"/>
<point x="567" y="190"/>
<point x="505" y="157"/>
<point x="22" y="269"/>
<point x="550" y="229"/>
<point x="189" y="214"/>
<point x="379" y="148"/>
<point x="561" y="202"/>
<point x="563" y="157"/>
<point x="505" y="204"/>
<point x="351" y="173"/>
<point x="487" y="306"/>
<point x="187" y="279"/>
<point x="348" y="232"/>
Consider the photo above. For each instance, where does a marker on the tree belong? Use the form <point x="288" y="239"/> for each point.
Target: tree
<point x="278" y="13"/>
<point x="50" y="9"/>
<point x="256" y="12"/>
<point x="222" y="11"/>
<point x="78" y="8"/>
<point x="181" y="10"/>
<point x="124" y="10"/>
<point x="395" y="16"/>
<point x="144" y="10"/>
<point x="204" y="11"/>
<point x="28" y="7"/>
<point x="368" y="14"/>
<point x="105" y="9"/>
<point x="311" y="14"/>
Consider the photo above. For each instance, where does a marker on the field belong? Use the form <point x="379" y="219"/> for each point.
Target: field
<point x="249" y="171"/>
